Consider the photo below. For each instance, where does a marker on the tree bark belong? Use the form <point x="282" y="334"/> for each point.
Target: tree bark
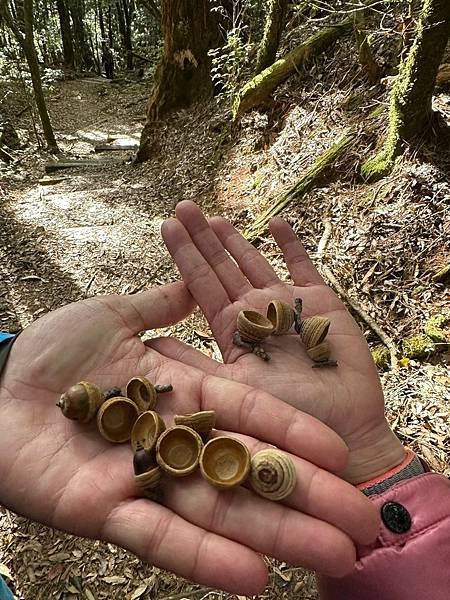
<point x="411" y="97"/>
<point x="125" y="13"/>
<point x="22" y="28"/>
<point x="257" y="89"/>
<point x="184" y="74"/>
<point x="101" y="20"/>
<point x="66" y="34"/>
<point x="276" y="18"/>
<point x="78" y="14"/>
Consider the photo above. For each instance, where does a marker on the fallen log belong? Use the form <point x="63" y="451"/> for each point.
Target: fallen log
<point x="303" y="185"/>
<point x="257" y="89"/>
<point x="115" y="147"/>
<point x="50" y="167"/>
<point x="52" y="180"/>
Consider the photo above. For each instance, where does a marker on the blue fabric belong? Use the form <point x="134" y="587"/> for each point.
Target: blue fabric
<point x="5" y="592"/>
<point x="6" y="336"/>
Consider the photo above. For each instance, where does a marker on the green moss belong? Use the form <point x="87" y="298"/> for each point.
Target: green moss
<point x="417" y="346"/>
<point x="381" y="357"/>
<point x="257" y="181"/>
<point x="434" y="328"/>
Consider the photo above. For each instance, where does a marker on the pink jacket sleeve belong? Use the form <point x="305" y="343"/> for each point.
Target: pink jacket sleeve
<point x="410" y="559"/>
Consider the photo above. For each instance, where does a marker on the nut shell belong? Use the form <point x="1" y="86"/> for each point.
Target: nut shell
<point x="253" y="326"/>
<point x="202" y="422"/>
<point x="225" y="462"/>
<point x="319" y="353"/>
<point x="273" y="474"/>
<point x="81" y="401"/>
<point x="314" y="330"/>
<point x="178" y="450"/>
<point x="146" y="430"/>
<point x="142" y="392"/>
<point x="115" y="419"/>
<point x="147" y="482"/>
<point x="281" y="315"/>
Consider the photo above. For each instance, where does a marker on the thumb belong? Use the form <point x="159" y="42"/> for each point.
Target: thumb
<point x="159" y="306"/>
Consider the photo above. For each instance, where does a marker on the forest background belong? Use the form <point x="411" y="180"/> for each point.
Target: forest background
<point x="335" y="115"/>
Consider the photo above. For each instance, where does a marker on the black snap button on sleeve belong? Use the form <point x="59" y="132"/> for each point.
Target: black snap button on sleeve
<point x="396" y="518"/>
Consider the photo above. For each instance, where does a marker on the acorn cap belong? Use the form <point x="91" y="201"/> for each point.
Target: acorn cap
<point x="147" y="430"/>
<point x="115" y="419"/>
<point x="142" y="392"/>
<point x="147" y="482"/>
<point x="202" y="422"/>
<point x="225" y="462"/>
<point x="273" y="474"/>
<point x="81" y="401"/>
<point x="314" y="330"/>
<point x="281" y="315"/>
<point x="178" y="450"/>
<point x="253" y="326"/>
<point x="319" y="353"/>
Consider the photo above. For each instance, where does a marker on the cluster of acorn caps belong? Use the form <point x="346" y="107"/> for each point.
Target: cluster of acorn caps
<point x="253" y="328"/>
<point x="178" y="451"/>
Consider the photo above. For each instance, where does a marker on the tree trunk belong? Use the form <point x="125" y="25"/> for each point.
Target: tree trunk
<point x="22" y="28"/>
<point x="101" y="21"/>
<point x="257" y="89"/>
<point x="78" y="14"/>
<point x="184" y="74"/>
<point x="276" y="18"/>
<point x="66" y="34"/>
<point x="411" y="96"/>
<point x="125" y="13"/>
<point x="110" y="28"/>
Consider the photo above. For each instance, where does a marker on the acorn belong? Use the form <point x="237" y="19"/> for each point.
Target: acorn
<point x="81" y="401"/>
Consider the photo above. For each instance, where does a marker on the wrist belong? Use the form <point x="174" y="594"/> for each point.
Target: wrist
<point x="377" y="453"/>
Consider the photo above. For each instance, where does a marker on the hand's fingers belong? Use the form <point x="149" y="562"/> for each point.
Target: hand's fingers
<point x="157" y="307"/>
<point x="162" y="538"/>
<point x="250" y="411"/>
<point x="254" y="266"/>
<point x="197" y="274"/>
<point x="212" y="249"/>
<point x="300" y="266"/>
<point x="176" y="350"/>
<point x="267" y="527"/>
<point x="316" y="492"/>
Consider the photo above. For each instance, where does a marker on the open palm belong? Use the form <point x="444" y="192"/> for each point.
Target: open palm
<point x="349" y="398"/>
<point x="64" y="474"/>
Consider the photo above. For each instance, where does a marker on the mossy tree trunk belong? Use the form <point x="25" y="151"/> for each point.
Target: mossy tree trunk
<point x="183" y="75"/>
<point x="411" y="96"/>
<point x="276" y="18"/>
<point x="260" y="87"/>
<point x="84" y="56"/>
<point x="22" y="27"/>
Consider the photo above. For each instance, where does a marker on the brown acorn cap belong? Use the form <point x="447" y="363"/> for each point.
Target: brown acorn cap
<point x="273" y="474"/>
<point x="225" y="462"/>
<point x="178" y="450"/>
<point x="281" y="315"/>
<point x="253" y="326"/>
<point x="146" y="430"/>
<point x="147" y="482"/>
<point x="142" y="392"/>
<point x="202" y="422"/>
<point x="115" y="419"/>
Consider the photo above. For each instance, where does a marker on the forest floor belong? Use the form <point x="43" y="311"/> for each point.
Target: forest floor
<point x="84" y="236"/>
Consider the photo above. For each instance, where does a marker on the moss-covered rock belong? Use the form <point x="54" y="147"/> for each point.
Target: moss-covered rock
<point x="417" y="346"/>
<point x="381" y="357"/>
<point x="435" y="329"/>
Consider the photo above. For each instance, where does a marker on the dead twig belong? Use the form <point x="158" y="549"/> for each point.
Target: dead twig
<point x="355" y="304"/>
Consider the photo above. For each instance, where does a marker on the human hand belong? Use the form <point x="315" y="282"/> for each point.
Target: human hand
<point x="64" y="474"/>
<point x="348" y="399"/>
